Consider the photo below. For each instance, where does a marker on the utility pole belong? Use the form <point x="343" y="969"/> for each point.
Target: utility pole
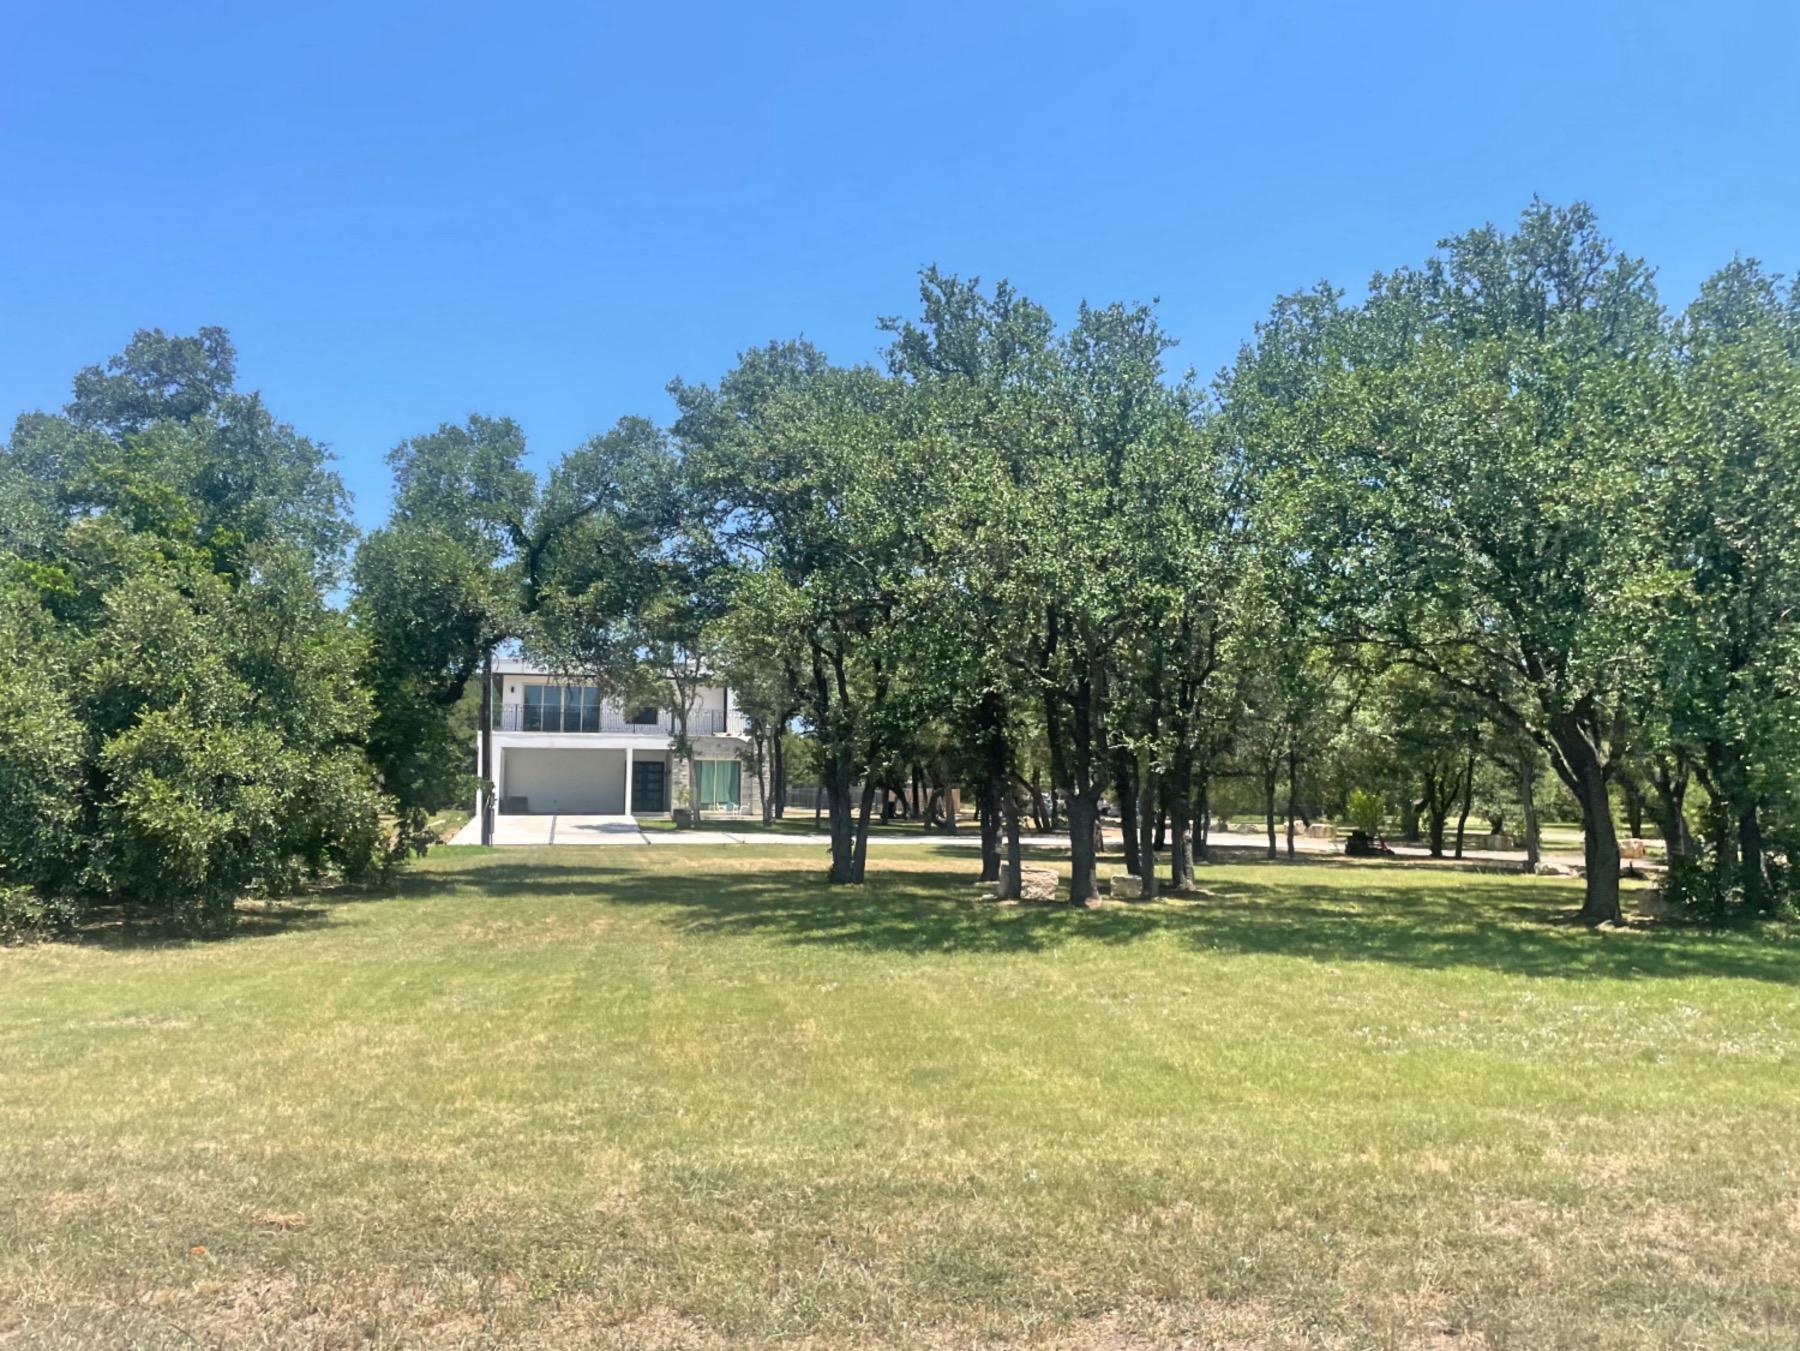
<point x="489" y="782"/>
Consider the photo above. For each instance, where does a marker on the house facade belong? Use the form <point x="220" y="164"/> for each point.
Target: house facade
<point x="563" y="747"/>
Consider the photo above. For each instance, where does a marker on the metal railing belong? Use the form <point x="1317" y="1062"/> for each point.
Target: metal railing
<point x="531" y="718"/>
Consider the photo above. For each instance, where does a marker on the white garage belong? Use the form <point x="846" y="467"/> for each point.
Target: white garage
<point x="578" y="782"/>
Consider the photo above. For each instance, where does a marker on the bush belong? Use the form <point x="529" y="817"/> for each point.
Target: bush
<point x="1694" y="888"/>
<point x="1366" y="811"/>
<point x="25" y="916"/>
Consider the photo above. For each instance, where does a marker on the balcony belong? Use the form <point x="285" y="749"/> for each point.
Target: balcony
<point x="581" y="718"/>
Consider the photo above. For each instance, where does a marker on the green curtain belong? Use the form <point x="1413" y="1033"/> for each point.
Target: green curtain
<point x="719" y="784"/>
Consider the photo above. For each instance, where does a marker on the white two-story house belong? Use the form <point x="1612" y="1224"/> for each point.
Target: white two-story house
<point x="562" y="747"/>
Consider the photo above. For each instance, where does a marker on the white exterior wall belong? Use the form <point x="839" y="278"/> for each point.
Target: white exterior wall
<point x="588" y="773"/>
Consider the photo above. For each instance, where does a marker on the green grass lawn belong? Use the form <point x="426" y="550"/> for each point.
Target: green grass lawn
<point x="693" y="1098"/>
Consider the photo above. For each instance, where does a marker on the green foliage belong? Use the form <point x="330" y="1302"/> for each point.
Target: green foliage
<point x="26" y="914"/>
<point x="181" y="725"/>
<point x="1366" y="811"/>
<point x="476" y="554"/>
<point x="1501" y="518"/>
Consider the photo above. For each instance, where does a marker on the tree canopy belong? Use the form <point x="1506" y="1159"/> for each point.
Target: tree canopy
<point x="1498" y="535"/>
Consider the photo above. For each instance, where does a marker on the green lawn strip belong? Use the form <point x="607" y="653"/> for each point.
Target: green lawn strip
<point x="1363" y="1105"/>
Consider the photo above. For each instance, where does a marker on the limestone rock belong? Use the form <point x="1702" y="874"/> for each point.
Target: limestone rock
<point x="1038" y="884"/>
<point x="1125" y="886"/>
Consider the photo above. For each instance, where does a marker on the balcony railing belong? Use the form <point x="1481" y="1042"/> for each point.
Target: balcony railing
<point x="574" y="718"/>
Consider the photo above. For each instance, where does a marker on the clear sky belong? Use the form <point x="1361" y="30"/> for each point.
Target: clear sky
<point x="408" y="212"/>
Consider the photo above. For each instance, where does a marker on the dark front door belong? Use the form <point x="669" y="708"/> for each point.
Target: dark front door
<point x="648" y="786"/>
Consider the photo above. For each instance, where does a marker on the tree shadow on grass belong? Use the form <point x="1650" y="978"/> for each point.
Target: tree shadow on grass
<point x="113" y="928"/>
<point x="1315" y="910"/>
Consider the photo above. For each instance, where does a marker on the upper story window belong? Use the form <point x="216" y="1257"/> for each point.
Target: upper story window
<point x="561" y="708"/>
<point x="643" y="717"/>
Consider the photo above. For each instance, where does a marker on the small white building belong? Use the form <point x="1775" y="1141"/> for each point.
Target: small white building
<point x="561" y="746"/>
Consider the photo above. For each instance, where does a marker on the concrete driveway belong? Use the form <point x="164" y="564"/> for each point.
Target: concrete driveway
<point x="555" y="829"/>
<point x="585" y="830"/>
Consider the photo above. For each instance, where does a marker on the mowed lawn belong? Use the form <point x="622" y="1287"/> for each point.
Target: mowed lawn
<point x="676" y="1097"/>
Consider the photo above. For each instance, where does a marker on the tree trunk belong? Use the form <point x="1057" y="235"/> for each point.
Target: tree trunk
<point x="688" y="758"/>
<point x="1080" y="765"/>
<point x="1468" y="797"/>
<point x="1437" y="813"/>
<point x="1271" y="775"/>
<point x="993" y="790"/>
<point x="860" y="858"/>
<point x="1181" y="843"/>
<point x="764" y="778"/>
<point x="1126" y="780"/>
<point x="1147" y="825"/>
<point x="1293" y="775"/>
<point x="778" y="770"/>
<point x="1669" y="804"/>
<point x="1634" y="805"/>
<point x="1528" y="805"/>
<point x="1751" y="872"/>
<point x="990" y="834"/>
<point x="1040" y="811"/>
<point x="1084" y="820"/>
<point x="1011" y="881"/>
<point x="1202" y="815"/>
<point x="842" y="814"/>
<point x="1585" y="776"/>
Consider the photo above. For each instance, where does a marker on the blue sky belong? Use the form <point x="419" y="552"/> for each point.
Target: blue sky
<point x="405" y="213"/>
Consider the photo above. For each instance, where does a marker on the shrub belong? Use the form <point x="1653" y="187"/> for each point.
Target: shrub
<point x="1366" y="811"/>
<point x="1694" y="887"/>
<point x="25" y="916"/>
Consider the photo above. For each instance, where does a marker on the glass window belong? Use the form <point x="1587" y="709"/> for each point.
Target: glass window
<point x="590" y="708"/>
<point x="718" y="784"/>
<point x="534" y="708"/>
<point x="643" y="717"/>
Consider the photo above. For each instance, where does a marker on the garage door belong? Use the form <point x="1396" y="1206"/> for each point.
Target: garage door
<point x="584" y="783"/>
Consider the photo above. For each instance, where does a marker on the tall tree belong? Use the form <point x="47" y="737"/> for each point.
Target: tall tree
<point x="1731" y="450"/>
<point x="983" y="368"/>
<point x="1476" y="492"/>
<point x="812" y="498"/>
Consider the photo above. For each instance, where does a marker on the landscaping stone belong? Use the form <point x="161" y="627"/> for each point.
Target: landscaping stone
<point x="1125" y="886"/>
<point x="1038" y="884"/>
